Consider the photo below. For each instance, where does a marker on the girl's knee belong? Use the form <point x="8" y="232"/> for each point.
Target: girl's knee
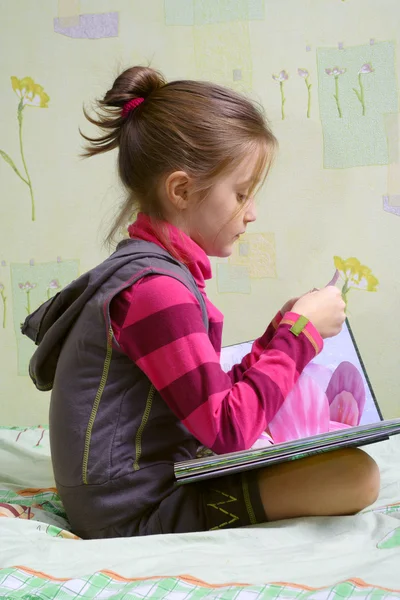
<point x="364" y="476"/>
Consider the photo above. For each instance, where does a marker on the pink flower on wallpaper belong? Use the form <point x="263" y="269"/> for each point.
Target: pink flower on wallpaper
<point x="27" y="288"/>
<point x="336" y="72"/>
<point x="281" y="78"/>
<point x="360" y="93"/>
<point x="54" y="285"/>
<point x="366" y="68"/>
<point x="320" y="401"/>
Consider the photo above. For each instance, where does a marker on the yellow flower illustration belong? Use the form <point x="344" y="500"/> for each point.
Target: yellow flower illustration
<point x="355" y="275"/>
<point x="30" y="93"/>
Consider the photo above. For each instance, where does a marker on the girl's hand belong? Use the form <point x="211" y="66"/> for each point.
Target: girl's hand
<point x="287" y="307"/>
<point x="325" y="309"/>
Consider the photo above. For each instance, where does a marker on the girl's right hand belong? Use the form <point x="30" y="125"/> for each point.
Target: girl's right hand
<point x="325" y="309"/>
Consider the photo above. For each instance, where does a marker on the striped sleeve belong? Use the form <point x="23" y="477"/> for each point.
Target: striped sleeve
<point x="164" y="334"/>
<point x="259" y="345"/>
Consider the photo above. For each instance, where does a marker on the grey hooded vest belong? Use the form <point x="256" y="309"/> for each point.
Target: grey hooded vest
<point x="114" y="440"/>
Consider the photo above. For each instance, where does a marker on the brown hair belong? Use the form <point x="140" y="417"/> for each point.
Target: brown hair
<point x="198" y="127"/>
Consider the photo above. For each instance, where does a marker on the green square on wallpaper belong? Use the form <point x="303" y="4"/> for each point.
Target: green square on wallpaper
<point x="220" y="11"/>
<point x="179" y="12"/>
<point x="256" y="10"/>
<point x="205" y="12"/>
<point x="224" y="11"/>
<point x="233" y="279"/>
<point x="355" y="142"/>
<point x="357" y="87"/>
<point x="31" y="286"/>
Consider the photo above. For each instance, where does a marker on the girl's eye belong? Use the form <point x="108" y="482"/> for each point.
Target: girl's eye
<point x="241" y="198"/>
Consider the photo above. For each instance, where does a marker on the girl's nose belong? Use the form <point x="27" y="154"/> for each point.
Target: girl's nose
<point x="250" y="214"/>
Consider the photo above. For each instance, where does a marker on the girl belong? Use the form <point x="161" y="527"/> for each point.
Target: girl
<point x="131" y="349"/>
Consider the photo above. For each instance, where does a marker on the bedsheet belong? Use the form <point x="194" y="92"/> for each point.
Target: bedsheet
<point x="314" y="558"/>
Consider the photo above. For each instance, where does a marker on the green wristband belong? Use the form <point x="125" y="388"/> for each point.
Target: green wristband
<point x="298" y="327"/>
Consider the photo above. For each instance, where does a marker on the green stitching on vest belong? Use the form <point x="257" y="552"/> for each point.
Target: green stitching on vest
<point x="41" y="388"/>
<point x="247" y="501"/>
<point x="96" y="403"/>
<point x="218" y="506"/>
<point x="139" y="433"/>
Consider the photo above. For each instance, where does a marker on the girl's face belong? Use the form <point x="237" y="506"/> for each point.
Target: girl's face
<point x="216" y="223"/>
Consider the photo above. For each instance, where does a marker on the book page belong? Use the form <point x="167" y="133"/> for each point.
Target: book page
<point x="332" y="393"/>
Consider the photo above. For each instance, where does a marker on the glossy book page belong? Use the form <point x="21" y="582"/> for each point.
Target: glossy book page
<point x="332" y="405"/>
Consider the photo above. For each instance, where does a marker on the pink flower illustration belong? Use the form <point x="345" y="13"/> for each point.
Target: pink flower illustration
<point x="360" y="93"/>
<point x="281" y="78"/>
<point x="336" y="72"/>
<point x="306" y="76"/>
<point x="366" y="68"/>
<point x="346" y="395"/>
<point x="27" y="288"/>
<point x="304" y="412"/>
<point x="53" y="285"/>
<point x="321" y="401"/>
<point x="303" y="73"/>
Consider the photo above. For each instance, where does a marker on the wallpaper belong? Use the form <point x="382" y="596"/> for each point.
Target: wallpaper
<point x="326" y="74"/>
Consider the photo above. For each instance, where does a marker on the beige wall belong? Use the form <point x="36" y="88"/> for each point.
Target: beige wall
<point x="315" y="205"/>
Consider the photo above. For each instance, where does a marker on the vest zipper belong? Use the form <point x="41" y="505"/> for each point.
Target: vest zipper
<point x="103" y="381"/>
<point x="139" y="433"/>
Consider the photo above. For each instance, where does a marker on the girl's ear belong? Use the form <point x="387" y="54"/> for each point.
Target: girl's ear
<point x="177" y="189"/>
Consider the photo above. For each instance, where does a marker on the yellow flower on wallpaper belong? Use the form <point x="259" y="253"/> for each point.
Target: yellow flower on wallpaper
<point x="29" y="94"/>
<point x="355" y="276"/>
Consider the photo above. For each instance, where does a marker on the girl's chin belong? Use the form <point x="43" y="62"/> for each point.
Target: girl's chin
<point x="222" y="252"/>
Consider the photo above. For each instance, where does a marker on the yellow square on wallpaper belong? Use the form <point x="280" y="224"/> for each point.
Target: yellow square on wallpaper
<point x="257" y="252"/>
<point x="392" y="124"/>
<point x="223" y="54"/>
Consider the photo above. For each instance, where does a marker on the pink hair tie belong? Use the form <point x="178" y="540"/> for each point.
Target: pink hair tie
<point x="131" y="105"/>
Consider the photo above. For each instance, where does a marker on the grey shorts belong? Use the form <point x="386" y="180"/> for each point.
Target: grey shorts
<point x="224" y="503"/>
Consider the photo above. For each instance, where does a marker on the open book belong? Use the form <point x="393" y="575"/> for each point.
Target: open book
<point x="332" y="406"/>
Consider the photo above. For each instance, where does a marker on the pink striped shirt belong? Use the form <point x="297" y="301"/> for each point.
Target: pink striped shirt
<point x="158" y="324"/>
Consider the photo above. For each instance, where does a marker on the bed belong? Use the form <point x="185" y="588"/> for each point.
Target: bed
<point x="315" y="558"/>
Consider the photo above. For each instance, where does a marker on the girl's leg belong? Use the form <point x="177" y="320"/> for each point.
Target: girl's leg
<point x="342" y="482"/>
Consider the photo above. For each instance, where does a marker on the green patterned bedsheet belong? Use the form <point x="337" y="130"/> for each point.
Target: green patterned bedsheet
<point x="24" y="584"/>
<point x="342" y="558"/>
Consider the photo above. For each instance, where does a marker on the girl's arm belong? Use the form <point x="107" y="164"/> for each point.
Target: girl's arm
<point x="164" y="334"/>
<point x="259" y="346"/>
<point x="237" y="371"/>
